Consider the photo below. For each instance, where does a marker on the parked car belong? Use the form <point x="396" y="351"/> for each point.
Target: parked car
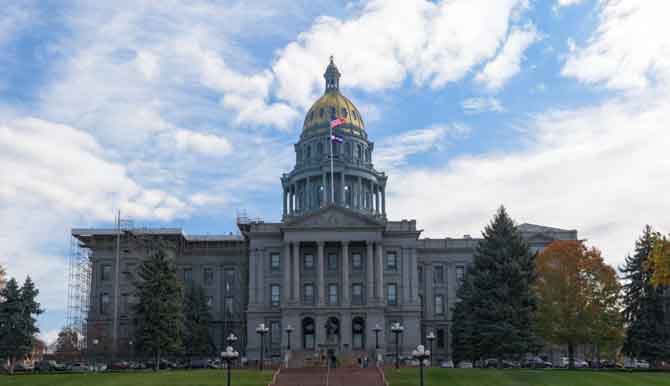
<point x="579" y="363"/>
<point x="607" y="364"/>
<point x="78" y="367"/>
<point x="536" y="363"/>
<point x="23" y="367"/>
<point x="507" y="364"/>
<point x="641" y="364"/>
<point x="199" y="363"/>
<point x="120" y="365"/>
<point x="45" y="365"/>
<point x="465" y="365"/>
<point x="448" y="364"/>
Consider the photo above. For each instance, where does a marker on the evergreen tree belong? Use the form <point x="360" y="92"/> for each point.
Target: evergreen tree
<point x="18" y="325"/>
<point x="462" y="330"/>
<point x="501" y="301"/>
<point x="197" y="340"/>
<point x="159" y="310"/>
<point x="646" y="308"/>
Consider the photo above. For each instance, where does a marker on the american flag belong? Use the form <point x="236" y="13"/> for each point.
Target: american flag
<point x="336" y="122"/>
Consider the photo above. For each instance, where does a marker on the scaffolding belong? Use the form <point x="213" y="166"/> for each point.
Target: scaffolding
<point x="79" y="284"/>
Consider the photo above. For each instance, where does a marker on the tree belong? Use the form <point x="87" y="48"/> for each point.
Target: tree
<point x="646" y="307"/>
<point x="578" y="297"/>
<point x="500" y="302"/>
<point x="197" y="340"/>
<point x="462" y="330"/>
<point x="2" y="277"/>
<point x="67" y="344"/>
<point x="18" y="326"/>
<point x="659" y="261"/>
<point x="159" y="310"/>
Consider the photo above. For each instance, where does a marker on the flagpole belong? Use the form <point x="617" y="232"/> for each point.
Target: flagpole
<point x="332" y="175"/>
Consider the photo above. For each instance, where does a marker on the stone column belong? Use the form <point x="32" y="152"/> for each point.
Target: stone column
<point x="286" y="266"/>
<point x="325" y="190"/>
<point x="296" y="272"/>
<point x="379" y="277"/>
<point x="345" y="273"/>
<point x="414" y="269"/>
<point x="428" y="299"/>
<point x="342" y="197"/>
<point x="384" y="202"/>
<point x="260" y="266"/>
<point x="285" y="198"/>
<point x="406" y="276"/>
<point x="369" y="272"/>
<point x="319" y="274"/>
<point x="360" y="193"/>
<point x="375" y="191"/>
<point x="253" y="285"/>
<point x="308" y="194"/>
<point x="291" y="194"/>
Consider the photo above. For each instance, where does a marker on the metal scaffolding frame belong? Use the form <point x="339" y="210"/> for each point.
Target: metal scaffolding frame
<point x="78" y="289"/>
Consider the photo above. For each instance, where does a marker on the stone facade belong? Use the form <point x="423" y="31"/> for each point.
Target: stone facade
<point x="334" y="268"/>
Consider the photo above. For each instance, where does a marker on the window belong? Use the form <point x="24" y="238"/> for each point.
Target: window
<point x="439" y="305"/>
<point x="129" y="273"/>
<point x="438" y="274"/>
<point x="392" y="294"/>
<point x="420" y="268"/>
<point x="344" y="112"/>
<point x="347" y="149"/>
<point x="275" y="333"/>
<point x="274" y="262"/>
<point x="124" y="303"/>
<point x="332" y="262"/>
<point x="274" y="295"/>
<point x="421" y="304"/>
<point x="308" y="294"/>
<point x="308" y="152"/>
<point x="230" y="309"/>
<point x="319" y="148"/>
<point x="332" y="294"/>
<point x="309" y="262"/>
<point x="357" y="294"/>
<point x="104" y="303"/>
<point x="356" y="261"/>
<point x="188" y="275"/>
<point x="106" y="273"/>
<point x="210" y="301"/>
<point x="321" y="113"/>
<point x="208" y="276"/>
<point x="123" y="330"/>
<point x="391" y="261"/>
<point x="440" y="338"/>
<point x="229" y="278"/>
<point x="460" y="273"/>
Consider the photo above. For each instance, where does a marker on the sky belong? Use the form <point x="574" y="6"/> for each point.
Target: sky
<point x="181" y="114"/>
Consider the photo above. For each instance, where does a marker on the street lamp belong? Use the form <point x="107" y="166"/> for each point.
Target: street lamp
<point x="132" y="352"/>
<point x="231" y="339"/>
<point x="431" y="337"/>
<point x="377" y="329"/>
<point x="397" y="329"/>
<point x="262" y="330"/>
<point x="421" y="354"/>
<point x="288" y="330"/>
<point x="95" y="354"/>
<point x="229" y="355"/>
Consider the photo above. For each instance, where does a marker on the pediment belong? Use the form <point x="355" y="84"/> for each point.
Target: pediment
<point x="333" y="217"/>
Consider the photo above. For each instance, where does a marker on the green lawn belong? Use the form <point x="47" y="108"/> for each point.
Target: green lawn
<point x="162" y="378"/>
<point x="477" y="377"/>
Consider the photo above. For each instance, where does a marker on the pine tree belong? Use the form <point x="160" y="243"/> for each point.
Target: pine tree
<point x="18" y="325"/>
<point x="501" y="301"/>
<point x="645" y="306"/>
<point x="462" y="330"/>
<point x="159" y="310"/>
<point x="197" y="340"/>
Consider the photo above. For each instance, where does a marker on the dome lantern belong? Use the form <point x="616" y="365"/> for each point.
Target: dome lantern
<point x="332" y="76"/>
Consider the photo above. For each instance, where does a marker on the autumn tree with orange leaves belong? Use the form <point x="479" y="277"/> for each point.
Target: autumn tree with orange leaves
<point x="578" y="298"/>
<point x="659" y="260"/>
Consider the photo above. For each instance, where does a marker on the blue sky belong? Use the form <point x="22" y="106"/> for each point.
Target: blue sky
<point x="182" y="113"/>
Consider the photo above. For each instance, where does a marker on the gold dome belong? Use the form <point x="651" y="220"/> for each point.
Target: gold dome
<point x="330" y="106"/>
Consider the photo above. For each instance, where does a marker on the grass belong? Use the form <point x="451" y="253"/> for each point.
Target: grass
<point x="478" y="377"/>
<point x="148" y="378"/>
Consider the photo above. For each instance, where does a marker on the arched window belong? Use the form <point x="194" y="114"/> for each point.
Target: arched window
<point x="347" y="150"/>
<point x="347" y="196"/>
<point x="308" y="152"/>
<point x="321" y="113"/>
<point x="308" y="333"/>
<point x="358" y="333"/>
<point x="319" y="148"/>
<point x="360" y="152"/>
<point x="344" y="112"/>
<point x="333" y="112"/>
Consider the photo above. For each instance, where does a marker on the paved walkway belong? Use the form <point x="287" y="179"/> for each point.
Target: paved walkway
<point x="336" y="377"/>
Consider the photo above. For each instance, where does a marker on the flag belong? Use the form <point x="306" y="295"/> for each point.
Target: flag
<point x="335" y="138"/>
<point x="336" y="122"/>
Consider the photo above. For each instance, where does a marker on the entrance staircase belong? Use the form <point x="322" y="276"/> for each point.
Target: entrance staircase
<point x="324" y="377"/>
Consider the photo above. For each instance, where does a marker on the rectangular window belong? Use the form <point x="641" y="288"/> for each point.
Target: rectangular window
<point x="106" y="273"/>
<point x="309" y="262"/>
<point x="210" y="301"/>
<point x="230" y="308"/>
<point x="356" y="261"/>
<point x="391" y="261"/>
<point x="104" y="303"/>
<point x="332" y="294"/>
<point x="275" y="333"/>
<point x="392" y="294"/>
<point x="439" y="305"/>
<point x="308" y="294"/>
<point x="438" y="274"/>
<point x="275" y="264"/>
<point x="123" y="330"/>
<point x="188" y="275"/>
<point x="332" y="262"/>
<point x="229" y="278"/>
<point x="274" y="295"/>
<point x="420" y="269"/>
<point x="124" y="303"/>
<point x="208" y="276"/>
<point x="440" y="338"/>
<point x="460" y="273"/>
<point x="129" y="272"/>
<point x="357" y="294"/>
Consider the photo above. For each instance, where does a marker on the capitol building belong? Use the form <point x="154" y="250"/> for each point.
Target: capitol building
<point x="336" y="269"/>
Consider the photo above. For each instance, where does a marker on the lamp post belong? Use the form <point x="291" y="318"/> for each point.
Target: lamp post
<point x="95" y="354"/>
<point x="262" y="330"/>
<point x="229" y="355"/>
<point x="231" y="339"/>
<point x="288" y="330"/>
<point x="430" y="337"/>
<point x="377" y="329"/>
<point x="421" y="354"/>
<point x="132" y="352"/>
<point x="397" y="329"/>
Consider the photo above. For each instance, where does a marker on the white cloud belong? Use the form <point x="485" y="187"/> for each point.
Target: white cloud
<point x="630" y="50"/>
<point x="393" y="151"/>
<point x="565" y="3"/>
<point x="207" y="144"/>
<point x="480" y="105"/>
<point x="508" y="62"/>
